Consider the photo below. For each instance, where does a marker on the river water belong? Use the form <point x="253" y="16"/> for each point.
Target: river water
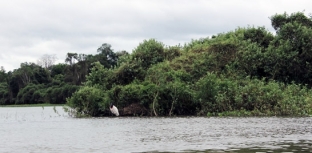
<point x="50" y="129"/>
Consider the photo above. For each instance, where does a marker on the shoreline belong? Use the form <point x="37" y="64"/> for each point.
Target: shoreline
<point x="32" y="105"/>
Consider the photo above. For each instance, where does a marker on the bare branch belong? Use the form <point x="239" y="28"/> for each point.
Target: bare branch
<point x="46" y="60"/>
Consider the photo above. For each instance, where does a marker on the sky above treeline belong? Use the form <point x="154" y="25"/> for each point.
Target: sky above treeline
<point x="30" y="29"/>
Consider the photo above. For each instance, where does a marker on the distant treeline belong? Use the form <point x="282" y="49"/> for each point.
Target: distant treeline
<point x="245" y="72"/>
<point x="44" y="82"/>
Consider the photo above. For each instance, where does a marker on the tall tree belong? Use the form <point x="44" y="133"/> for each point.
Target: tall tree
<point x="2" y="74"/>
<point x="71" y="58"/>
<point x="279" y="20"/>
<point x="106" y="56"/>
<point x="290" y="54"/>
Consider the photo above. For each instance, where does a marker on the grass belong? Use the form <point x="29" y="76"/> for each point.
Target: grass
<point x="33" y="105"/>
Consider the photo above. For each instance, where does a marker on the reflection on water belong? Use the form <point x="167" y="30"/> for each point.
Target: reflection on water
<point x="50" y="129"/>
<point x="302" y="146"/>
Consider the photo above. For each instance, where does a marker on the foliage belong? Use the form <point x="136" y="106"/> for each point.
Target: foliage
<point x="87" y="101"/>
<point x="148" y="53"/>
<point x="99" y="76"/>
<point x="27" y="94"/>
<point x="245" y="72"/>
<point x="218" y="94"/>
<point x="4" y="94"/>
<point x="106" y="56"/>
<point x="58" y="94"/>
<point x="290" y="55"/>
<point x="279" y="20"/>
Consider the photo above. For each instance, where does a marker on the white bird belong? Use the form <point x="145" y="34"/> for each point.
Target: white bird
<point x="114" y="109"/>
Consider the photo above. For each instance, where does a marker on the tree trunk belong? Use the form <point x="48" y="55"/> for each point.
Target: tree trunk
<point x="155" y="98"/>
<point x="170" y="112"/>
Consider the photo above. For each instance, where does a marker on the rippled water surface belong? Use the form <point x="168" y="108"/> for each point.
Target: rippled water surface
<point x="50" y="129"/>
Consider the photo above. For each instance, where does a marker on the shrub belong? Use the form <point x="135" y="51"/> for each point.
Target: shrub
<point x="88" y="101"/>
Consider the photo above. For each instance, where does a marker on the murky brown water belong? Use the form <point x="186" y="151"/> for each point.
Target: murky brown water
<point x="49" y="129"/>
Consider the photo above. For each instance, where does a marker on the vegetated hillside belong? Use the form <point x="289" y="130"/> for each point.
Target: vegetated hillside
<point x="247" y="71"/>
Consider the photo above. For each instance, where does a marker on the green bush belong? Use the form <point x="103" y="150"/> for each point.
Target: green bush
<point x="26" y="94"/>
<point x="218" y="94"/>
<point x="248" y="71"/>
<point x="88" y="101"/>
<point x="149" y="52"/>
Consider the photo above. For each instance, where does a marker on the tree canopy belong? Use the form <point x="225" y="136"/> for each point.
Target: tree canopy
<point x="247" y="71"/>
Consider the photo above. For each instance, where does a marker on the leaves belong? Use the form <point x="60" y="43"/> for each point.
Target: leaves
<point x="87" y="101"/>
<point x="247" y="71"/>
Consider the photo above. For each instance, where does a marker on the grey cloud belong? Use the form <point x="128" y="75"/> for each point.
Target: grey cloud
<point x="29" y="29"/>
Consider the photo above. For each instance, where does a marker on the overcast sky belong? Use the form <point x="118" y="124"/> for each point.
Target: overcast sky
<point x="31" y="28"/>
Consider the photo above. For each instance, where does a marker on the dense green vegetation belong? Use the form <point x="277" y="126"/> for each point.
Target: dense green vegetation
<point x="47" y="83"/>
<point x="245" y="72"/>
